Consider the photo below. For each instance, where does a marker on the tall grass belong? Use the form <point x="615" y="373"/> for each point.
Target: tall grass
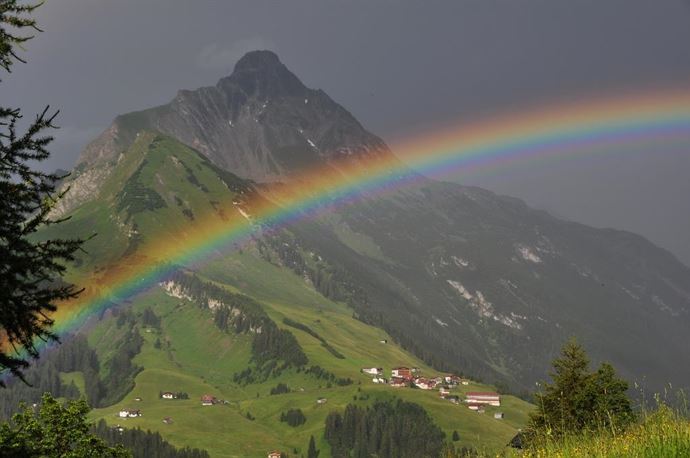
<point x="661" y="432"/>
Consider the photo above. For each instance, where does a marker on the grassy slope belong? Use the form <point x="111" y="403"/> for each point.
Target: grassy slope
<point x="200" y="359"/>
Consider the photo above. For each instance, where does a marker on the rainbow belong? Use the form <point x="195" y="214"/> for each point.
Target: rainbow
<point x="587" y="127"/>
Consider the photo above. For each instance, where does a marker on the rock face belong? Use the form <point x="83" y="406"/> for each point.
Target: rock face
<point x="261" y="122"/>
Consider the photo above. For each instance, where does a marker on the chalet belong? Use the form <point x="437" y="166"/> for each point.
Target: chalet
<point x="168" y="395"/>
<point x="499" y="415"/>
<point x="476" y="407"/>
<point x="208" y="400"/>
<point x="452" y="379"/>
<point x="398" y="382"/>
<point x="402" y="372"/>
<point x="129" y="413"/>
<point x="275" y="454"/>
<point x="321" y="400"/>
<point x="424" y="383"/>
<point x="489" y="398"/>
<point x="373" y="370"/>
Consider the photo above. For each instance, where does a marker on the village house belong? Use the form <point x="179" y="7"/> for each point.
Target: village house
<point x="452" y="379"/>
<point x="402" y="372"/>
<point x="275" y="454"/>
<point x="443" y="391"/>
<point x="489" y="398"/>
<point x="373" y="370"/>
<point x="208" y="400"/>
<point x="424" y="383"/>
<point x="499" y="415"/>
<point x="379" y="380"/>
<point x="464" y="381"/>
<point x="168" y="395"/>
<point x="129" y="413"/>
<point x="476" y="407"/>
<point x="398" y="382"/>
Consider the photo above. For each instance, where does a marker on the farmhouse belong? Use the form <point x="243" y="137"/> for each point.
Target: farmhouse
<point x="476" y="407"/>
<point x="424" y="383"/>
<point x="452" y="379"/>
<point x="208" y="400"/>
<point x="373" y="370"/>
<point x="397" y="382"/>
<point x="129" y="413"/>
<point x="402" y="372"/>
<point x="168" y="395"/>
<point x="478" y="397"/>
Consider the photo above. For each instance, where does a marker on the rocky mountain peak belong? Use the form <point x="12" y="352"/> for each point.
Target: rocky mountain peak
<point x="262" y="74"/>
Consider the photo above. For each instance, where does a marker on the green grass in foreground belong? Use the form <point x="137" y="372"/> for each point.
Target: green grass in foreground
<point x="661" y="434"/>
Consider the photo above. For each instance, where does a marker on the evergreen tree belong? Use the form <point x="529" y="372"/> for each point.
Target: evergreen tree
<point x="577" y="399"/>
<point x="31" y="269"/>
<point x="312" y="452"/>
<point x="456" y="436"/>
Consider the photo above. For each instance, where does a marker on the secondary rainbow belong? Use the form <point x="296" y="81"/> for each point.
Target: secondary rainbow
<point x="574" y="129"/>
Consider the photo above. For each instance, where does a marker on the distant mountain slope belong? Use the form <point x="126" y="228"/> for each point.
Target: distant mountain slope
<point x="465" y="278"/>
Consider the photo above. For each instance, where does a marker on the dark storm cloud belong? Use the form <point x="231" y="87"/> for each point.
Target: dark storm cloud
<point x="399" y="67"/>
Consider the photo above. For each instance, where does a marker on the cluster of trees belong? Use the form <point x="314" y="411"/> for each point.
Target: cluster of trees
<point x="280" y="388"/>
<point x="150" y="319"/>
<point x="137" y="197"/>
<point x="578" y="399"/>
<point x="321" y="373"/>
<point x="143" y="444"/>
<point x="311" y="332"/>
<point x="401" y="429"/>
<point x="293" y="417"/>
<point x="53" y="429"/>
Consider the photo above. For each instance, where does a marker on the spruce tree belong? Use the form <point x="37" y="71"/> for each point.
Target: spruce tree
<point x="311" y="451"/>
<point x="31" y="269"/>
<point x="577" y="399"/>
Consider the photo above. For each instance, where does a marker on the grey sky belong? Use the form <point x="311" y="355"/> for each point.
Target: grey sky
<point x="399" y="67"/>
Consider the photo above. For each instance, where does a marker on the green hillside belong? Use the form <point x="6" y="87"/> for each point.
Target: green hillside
<point x="159" y="188"/>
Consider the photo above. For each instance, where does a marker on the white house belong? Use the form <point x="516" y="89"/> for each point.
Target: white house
<point x="168" y="395"/>
<point x="424" y="384"/>
<point x="489" y="398"/>
<point x="129" y="413"/>
<point x="373" y="370"/>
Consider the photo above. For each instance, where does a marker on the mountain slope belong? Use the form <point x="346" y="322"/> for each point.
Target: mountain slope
<point x="160" y="189"/>
<point x="465" y="278"/>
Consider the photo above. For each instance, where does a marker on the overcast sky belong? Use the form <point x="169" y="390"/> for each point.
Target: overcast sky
<point x="398" y="67"/>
